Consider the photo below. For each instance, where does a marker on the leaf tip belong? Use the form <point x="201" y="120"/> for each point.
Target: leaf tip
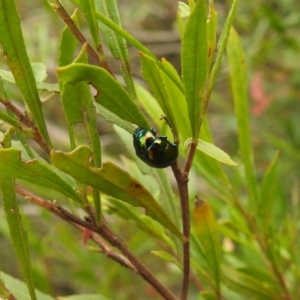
<point x="199" y="202"/>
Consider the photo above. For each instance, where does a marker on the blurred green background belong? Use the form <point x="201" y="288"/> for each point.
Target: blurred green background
<point x="270" y="32"/>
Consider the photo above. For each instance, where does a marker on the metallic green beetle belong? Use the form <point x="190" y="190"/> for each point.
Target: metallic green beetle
<point x="155" y="151"/>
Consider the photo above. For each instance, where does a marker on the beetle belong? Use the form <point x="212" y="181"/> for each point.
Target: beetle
<point x="156" y="151"/>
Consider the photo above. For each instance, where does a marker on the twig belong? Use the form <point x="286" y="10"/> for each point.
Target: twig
<point x="182" y="182"/>
<point x="190" y="157"/>
<point x="60" y="10"/>
<point x="115" y="241"/>
<point x="109" y="252"/>
<point x="106" y="233"/>
<point x="27" y="122"/>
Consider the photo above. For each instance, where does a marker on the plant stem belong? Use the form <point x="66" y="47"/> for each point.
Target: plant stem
<point x="108" y="251"/>
<point x="24" y="118"/>
<point x="60" y="10"/>
<point x="106" y="233"/>
<point x="115" y="241"/>
<point x="182" y="182"/>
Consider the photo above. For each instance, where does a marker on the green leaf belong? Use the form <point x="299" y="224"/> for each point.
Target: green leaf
<point x="111" y="94"/>
<point x="39" y="72"/>
<point x="267" y="195"/>
<point x="206" y="229"/>
<point x="207" y="295"/>
<point x="112" y="181"/>
<point x="38" y="69"/>
<point x="167" y="257"/>
<point x="239" y="86"/>
<point x="248" y="285"/>
<point x="9" y="120"/>
<point x="89" y="10"/>
<point x="79" y="107"/>
<point x="71" y="96"/>
<point x="20" y="146"/>
<point x="209" y="164"/>
<point x="50" y="87"/>
<point x="154" y="78"/>
<point x="194" y="63"/>
<point x="158" y="231"/>
<point x="12" y="41"/>
<point x="17" y="232"/>
<point x="221" y="44"/>
<point x="68" y="43"/>
<point x="177" y="101"/>
<point x="134" y="42"/>
<point x="144" y="222"/>
<point x="116" y="42"/>
<point x="183" y="9"/>
<point x="211" y="32"/>
<point x="4" y="292"/>
<point x="167" y="195"/>
<point x="149" y="104"/>
<point x="36" y="171"/>
<point x="113" y="118"/>
<point x="19" y="290"/>
<point x="212" y="151"/>
<point x="76" y="98"/>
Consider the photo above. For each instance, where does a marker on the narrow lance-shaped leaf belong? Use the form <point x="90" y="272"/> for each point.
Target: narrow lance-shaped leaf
<point x="154" y="78"/>
<point x="39" y="72"/>
<point x="13" y="45"/>
<point x="212" y="151"/>
<point x="248" y="285"/>
<point x="134" y="42"/>
<point x="68" y="43"/>
<point x="88" y="113"/>
<point x="177" y="100"/>
<point x="113" y="118"/>
<point x="206" y="230"/>
<point x="183" y="9"/>
<point x="268" y="194"/>
<point x="167" y="257"/>
<point x="35" y="171"/>
<point x="221" y="45"/>
<point x="204" y="163"/>
<point x="70" y="94"/>
<point x="211" y="31"/>
<point x="17" y="288"/>
<point x="17" y="233"/>
<point x="40" y="85"/>
<point x="112" y="181"/>
<point x="149" y="104"/>
<point x="111" y="94"/>
<point x="9" y="120"/>
<point x="4" y="292"/>
<point x="116" y="42"/>
<point x="194" y="63"/>
<point x="144" y="222"/>
<point x="239" y="87"/>
<point x="89" y="10"/>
